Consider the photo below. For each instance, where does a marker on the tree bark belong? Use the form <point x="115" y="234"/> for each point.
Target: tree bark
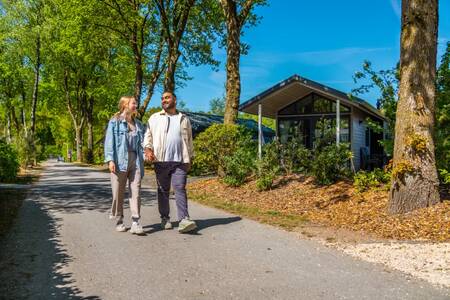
<point x="90" y="128"/>
<point x="157" y="69"/>
<point x="235" y="21"/>
<point x="169" y="76"/>
<point x="138" y="71"/>
<point x="8" y="129"/>
<point x="415" y="182"/>
<point x="77" y="115"/>
<point x="22" y="112"/>
<point x="36" y="86"/>
<point x="233" y="84"/>
<point x="173" y="31"/>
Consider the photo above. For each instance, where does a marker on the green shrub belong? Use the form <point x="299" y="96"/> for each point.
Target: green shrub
<point x="444" y="176"/>
<point x="26" y="150"/>
<point x="294" y="157"/>
<point x="265" y="182"/>
<point x="365" y="180"/>
<point x="215" y="144"/>
<point x="268" y="166"/>
<point x="239" y="165"/>
<point x="9" y="163"/>
<point x="331" y="163"/>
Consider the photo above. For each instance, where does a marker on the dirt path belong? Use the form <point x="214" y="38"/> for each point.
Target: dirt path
<point x="63" y="246"/>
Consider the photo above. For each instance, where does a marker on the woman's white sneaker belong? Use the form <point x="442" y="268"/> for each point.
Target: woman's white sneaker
<point x="120" y="227"/>
<point x="136" y="228"/>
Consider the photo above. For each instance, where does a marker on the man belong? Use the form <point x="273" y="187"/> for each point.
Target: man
<point x="168" y="143"/>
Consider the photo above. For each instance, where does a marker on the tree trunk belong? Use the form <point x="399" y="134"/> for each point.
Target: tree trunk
<point x="36" y="85"/>
<point x="169" y="76"/>
<point x="415" y="182"/>
<point x="77" y="115"/>
<point x="90" y="128"/>
<point x="233" y="85"/>
<point x="154" y="77"/>
<point x="8" y="128"/>
<point x="23" y="114"/>
<point x="138" y="72"/>
<point x="79" y="142"/>
<point x="234" y="22"/>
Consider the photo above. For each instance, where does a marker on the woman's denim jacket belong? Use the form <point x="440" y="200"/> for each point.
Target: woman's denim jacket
<point x="116" y="144"/>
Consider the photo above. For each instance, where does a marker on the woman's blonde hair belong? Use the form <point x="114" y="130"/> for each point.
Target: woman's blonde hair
<point x="123" y="105"/>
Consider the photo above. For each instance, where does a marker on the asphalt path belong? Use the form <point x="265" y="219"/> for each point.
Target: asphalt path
<point x="63" y="246"/>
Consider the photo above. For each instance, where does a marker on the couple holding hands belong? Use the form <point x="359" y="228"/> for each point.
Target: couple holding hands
<point x="167" y="142"/>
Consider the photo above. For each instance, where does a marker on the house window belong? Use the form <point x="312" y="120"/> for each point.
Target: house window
<point x="303" y="106"/>
<point x="307" y="129"/>
<point x="312" y="104"/>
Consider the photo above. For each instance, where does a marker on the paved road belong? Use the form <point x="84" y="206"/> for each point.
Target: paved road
<point x="63" y="246"/>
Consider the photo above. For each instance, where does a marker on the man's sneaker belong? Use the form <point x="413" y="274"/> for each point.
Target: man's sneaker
<point x="120" y="227"/>
<point x="165" y="224"/>
<point x="186" y="225"/>
<point x="136" y="228"/>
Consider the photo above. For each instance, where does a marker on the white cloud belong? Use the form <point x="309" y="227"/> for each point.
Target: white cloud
<point x="396" y="7"/>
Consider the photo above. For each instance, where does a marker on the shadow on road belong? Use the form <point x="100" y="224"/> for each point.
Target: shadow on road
<point x="82" y="190"/>
<point x="32" y="259"/>
<point x="201" y="224"/>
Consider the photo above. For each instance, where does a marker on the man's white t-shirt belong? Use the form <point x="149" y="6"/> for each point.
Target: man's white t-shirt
<point x="174" y="143"/>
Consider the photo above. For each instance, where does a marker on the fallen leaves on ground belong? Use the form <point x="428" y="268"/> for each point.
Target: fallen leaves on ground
<point x="337" y="205"/>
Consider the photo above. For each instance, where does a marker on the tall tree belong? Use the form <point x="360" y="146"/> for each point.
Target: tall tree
<point x="237" y="15"/>
<point x="189" y="29"/>
<point x="415" y="181"/>
<point x="174" y="17"/>
<point x="135" y="24"/>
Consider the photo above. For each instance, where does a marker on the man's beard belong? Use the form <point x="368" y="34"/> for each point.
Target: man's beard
<point x="167" y="106"/>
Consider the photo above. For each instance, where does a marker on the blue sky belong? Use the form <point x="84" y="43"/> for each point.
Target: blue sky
<point x="325" y="41"/>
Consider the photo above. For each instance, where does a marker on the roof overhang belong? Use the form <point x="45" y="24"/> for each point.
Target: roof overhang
<point x="295" y="88"/>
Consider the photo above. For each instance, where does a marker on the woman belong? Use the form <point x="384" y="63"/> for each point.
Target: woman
<point x="124" y="155"/>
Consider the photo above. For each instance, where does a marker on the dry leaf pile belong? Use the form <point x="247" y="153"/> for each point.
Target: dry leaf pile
<point x="337" y="205"/>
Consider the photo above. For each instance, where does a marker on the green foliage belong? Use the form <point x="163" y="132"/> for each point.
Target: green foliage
<point x="239" y="165"/>
<point x="386" y="81"/>
<point x="444" y="176"/>
<point x="294" y="157"/>
<point x="331" y="163"/>
<point x="364" y="180"/>
<point x="268" y="122"/>
<point x="217" y="106"/>
<point x="27" y="150"/>
<point x="9" y="163"/>
<point x="215" y="144"/>
<point x="268" y="166"/>
<point x="442" y="130"/>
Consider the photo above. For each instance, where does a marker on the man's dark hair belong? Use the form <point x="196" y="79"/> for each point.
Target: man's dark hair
<point x="171" y="92"/>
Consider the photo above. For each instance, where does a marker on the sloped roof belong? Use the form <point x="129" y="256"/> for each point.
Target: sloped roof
<point x="294" y="88"/>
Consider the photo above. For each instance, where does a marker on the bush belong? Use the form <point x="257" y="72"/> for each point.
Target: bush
<point x="239" y="166"/>
<point x="215" y="144"/>
<point x="444" y="176"/>
<point x="294" y="157"/>
<point x="26" y="150"/>
<point x="9" y="163"/>
<point x="268" y="166"/>
<point x="331" y="163"/>
<point x="365" y="180"/>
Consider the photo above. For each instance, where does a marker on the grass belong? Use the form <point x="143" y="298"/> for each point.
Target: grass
<point x="271" y="217"/>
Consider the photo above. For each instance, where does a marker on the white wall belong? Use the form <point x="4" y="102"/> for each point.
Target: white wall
<point x="358" y="135"/>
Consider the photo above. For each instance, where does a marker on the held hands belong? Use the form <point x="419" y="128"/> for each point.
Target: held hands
<point x="149" y="155"/>
<point x="112" y="167"/>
